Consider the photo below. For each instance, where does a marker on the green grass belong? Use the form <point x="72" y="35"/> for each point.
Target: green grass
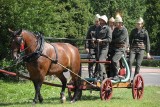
<point x="21" y="94"/>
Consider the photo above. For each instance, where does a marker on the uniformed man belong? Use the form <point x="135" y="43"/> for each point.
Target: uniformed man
<point x="111" y="23"/>
<point x="139" y="41"/>
<point x="89" y="45"/>
<point x="103" y="38"/>
<point x="119" y="42"/>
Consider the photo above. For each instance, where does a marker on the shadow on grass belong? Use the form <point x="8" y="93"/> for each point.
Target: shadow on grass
<point x="56" y="100"/>
<point x="89" y="98"/>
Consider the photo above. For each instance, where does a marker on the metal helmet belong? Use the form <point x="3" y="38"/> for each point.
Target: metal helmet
<point x="97" y="17"/>
<point x="140" y="20"/>
<point x="112" y="19"/>
<point x="118" y="18"/>
<point x="104" y="17"/>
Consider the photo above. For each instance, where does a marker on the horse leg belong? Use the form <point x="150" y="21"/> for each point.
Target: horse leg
<point x="64" y="82"/>
<point x="37" y="86"/>
<point x="77" y="83"/>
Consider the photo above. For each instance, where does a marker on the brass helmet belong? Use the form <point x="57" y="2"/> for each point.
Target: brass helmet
<point x="118" y="18"/>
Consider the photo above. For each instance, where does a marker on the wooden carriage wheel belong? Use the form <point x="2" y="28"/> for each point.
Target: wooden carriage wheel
<point x="106" y="90"/>
<point x="138" y="87"/>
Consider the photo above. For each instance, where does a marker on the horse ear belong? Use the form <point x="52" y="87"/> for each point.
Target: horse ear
<point x="10" y="30"/>
<point x="19" y="32"/>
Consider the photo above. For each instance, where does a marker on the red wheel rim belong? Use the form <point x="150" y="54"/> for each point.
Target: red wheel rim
<point x="106" y="90"/>
<point x="138" y="87"/>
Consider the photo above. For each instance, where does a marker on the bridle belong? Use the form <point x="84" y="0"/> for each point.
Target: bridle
<point x="31" y="56"/>
<point x="20" y="42"/>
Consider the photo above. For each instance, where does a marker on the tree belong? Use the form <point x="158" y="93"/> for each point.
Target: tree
<point x="152" y="22"/>
<point x="71" y="18"/>
<point x="130" y="10"/>
<point x="55" y="18"/>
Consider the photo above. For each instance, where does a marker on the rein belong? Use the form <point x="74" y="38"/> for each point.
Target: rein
<point x="76" y="74"/>
<point x="56" y="61"/>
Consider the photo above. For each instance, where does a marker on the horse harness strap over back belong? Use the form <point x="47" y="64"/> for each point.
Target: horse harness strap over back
<point x="56" y="52"/>
<point x="56" y="60"/>
<point x="35" y="55"/>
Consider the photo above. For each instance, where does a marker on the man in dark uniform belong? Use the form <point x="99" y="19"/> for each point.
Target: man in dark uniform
<point x="139" y="41"/>
<point x="89" y="45"/>
<point x="118" y="46"/>
<point x="104" y="38"/>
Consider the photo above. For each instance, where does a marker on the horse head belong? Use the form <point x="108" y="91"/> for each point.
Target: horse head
<point x="16" y="43"/>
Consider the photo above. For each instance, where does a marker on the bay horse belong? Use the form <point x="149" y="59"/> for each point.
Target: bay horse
<point x="41" y="59"/>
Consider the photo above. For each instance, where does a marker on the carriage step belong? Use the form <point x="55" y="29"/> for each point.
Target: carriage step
<point x="91" y="79"/>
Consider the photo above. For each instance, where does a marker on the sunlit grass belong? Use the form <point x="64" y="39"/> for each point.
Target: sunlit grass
<point x="21" y="94"/>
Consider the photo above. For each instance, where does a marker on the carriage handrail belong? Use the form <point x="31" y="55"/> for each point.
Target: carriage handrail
<point x="48" y="38"/>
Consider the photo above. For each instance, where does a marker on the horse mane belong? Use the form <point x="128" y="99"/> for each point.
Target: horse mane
<point x="19" y="31"/>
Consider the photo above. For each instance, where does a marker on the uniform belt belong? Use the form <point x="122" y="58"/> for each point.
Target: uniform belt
<point x="101" y="43"/>
<point x="119" y="45"/>
<point x="138" y="46"/>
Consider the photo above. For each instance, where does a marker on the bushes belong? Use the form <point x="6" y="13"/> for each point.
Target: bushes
<point x="151" y="63"/>
<point x="9" y="65"/>
<point x="71" y="18"/>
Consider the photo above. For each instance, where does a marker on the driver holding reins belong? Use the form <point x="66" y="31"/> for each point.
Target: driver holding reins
<point x="103" y="38"/>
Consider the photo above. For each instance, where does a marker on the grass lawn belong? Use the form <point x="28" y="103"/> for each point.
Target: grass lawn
<point x="21" y="94"/>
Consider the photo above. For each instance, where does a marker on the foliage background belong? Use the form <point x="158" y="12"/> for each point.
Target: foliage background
<point x="71" y="18"/>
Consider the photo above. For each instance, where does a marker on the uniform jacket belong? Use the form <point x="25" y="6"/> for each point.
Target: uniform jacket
<point x="92" y="32"/>
<point x="140" y="39"/>
<point x="103" y="33"/>
<point x="120" y="37"/>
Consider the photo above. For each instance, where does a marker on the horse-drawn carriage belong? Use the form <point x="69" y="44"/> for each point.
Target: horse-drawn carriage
<point x="106" y="86"/>
<point x="44" y="58"/>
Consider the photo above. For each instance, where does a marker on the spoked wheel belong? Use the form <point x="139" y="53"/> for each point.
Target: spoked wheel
<point x="71" y="92"/>
<point x="106" y="90"/>
<point x="138" y="87"/>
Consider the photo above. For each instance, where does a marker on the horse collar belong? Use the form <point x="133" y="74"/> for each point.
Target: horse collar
<point x="35" y="55"/>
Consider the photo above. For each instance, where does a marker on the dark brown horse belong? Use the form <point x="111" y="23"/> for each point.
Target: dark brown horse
<point x="44" y="59"/>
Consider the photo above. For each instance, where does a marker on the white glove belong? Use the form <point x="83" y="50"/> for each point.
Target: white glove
<point x="148" y="56"/>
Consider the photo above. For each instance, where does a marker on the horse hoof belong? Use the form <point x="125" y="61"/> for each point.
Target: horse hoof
<point x="33" y="103"/>
<point x="73" y="101"/>
<point x="41" y="100"/>
<point x="63" y="100"/>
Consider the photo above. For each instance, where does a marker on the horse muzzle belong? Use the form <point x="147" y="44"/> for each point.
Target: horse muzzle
<point x="15" y="55"/>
